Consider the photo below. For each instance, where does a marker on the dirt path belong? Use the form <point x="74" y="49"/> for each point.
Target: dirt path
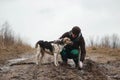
<point x="25" y="69"/>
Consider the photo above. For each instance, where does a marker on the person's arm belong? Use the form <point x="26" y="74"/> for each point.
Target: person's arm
<point x="61" y="38"/>
<point x="64" y="35"/>
<point x="83" y="50"/>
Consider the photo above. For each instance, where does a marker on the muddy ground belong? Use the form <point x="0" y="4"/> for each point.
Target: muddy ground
<point x="24" y="68"/>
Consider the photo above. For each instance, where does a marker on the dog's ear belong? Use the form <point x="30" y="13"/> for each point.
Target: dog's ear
<point x="64" y="40"/>
<point x="67" y="40"/>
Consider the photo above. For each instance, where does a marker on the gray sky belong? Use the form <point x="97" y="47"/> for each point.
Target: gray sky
<point x="49" y="19"/>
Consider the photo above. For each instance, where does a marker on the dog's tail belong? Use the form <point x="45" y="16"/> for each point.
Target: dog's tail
<point x="36" y="45"/>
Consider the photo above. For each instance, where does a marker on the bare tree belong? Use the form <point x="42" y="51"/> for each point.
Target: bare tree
<point x="105" y="42"/>
<point x="91" y="39"/>
<point x="9" y="40"/>
<point x="7" y="34"/>
<point x="115" y="41"/>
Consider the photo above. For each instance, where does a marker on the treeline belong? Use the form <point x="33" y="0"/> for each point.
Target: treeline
<point x="8" y="39"/>
<point x="108" y="41"/>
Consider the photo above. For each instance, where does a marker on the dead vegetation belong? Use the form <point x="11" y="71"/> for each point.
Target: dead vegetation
<point x="10" y="44"/>
<point x="105" y="48"/>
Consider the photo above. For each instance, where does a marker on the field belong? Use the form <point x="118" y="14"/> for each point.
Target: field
<point x="100" y="64"/>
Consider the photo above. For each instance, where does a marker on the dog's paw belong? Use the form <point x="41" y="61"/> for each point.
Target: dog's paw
<point x="56" y="64"/>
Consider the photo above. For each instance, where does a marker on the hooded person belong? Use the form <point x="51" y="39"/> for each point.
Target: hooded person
<point x="77" y="50"/>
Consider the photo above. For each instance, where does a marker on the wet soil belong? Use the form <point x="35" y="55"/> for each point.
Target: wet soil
<point x="26" y="69"/>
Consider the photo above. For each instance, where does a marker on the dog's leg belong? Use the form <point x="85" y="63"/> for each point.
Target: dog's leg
<point x="42" y="54"/>
<point x="37" y="55"/>
<point x="55" y="58"/>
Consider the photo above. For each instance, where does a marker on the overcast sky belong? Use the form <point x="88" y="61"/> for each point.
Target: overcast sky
<point x="49" y="19"/>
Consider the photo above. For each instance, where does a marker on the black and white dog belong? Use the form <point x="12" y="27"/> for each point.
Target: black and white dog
<point x="53" y="48"/>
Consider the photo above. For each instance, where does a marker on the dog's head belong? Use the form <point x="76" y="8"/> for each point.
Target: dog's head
<point x="67" y="40"/>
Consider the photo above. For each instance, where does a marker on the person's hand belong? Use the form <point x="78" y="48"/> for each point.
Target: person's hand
<point x="80" y="64"/>
<point x="71" y="44"/>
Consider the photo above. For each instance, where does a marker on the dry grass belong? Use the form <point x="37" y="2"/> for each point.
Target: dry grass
<point x="11" y="45"/>
<point x="13" y="52"/>
<point x="103" y="50"/>
<point x="103" y="54"/>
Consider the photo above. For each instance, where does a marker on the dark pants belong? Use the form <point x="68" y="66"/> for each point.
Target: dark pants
<point x="70" y="54"/>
